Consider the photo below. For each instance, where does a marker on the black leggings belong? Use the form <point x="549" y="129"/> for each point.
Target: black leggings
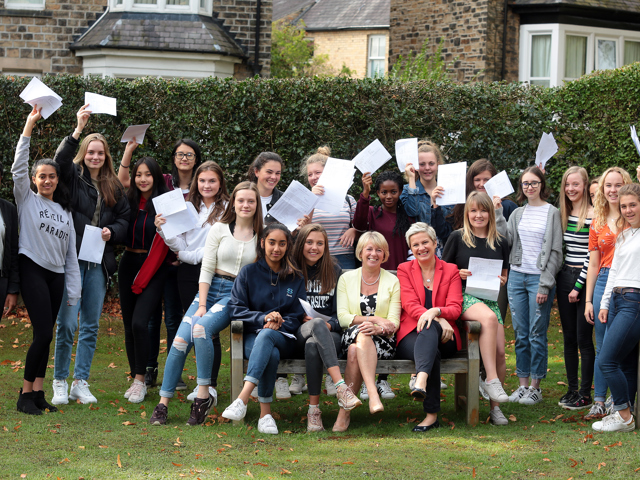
<point x="576" y="331"/>
<point x="137" y="309"/>
<point x="426" y="350"/>
<point x="42" y="292"/>
<point x="188" y="285"/>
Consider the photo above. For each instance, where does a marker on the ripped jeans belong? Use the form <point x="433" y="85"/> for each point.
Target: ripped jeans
<point x="530" y="324"/>
<point x="214" y="321"/>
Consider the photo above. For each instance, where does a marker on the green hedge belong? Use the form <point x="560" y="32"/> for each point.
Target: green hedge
<point x="234" y="121"/>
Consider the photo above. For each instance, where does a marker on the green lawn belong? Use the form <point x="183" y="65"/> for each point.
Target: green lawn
<point x="113" y="439"/>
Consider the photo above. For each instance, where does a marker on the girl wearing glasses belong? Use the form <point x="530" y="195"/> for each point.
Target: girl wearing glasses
<point x="535" y="237"/>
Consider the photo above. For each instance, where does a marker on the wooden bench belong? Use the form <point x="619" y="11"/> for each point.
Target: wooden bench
<point x="465" y="365"/>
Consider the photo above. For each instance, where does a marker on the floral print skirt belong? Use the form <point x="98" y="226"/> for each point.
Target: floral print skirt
<point x="385" y="346"/>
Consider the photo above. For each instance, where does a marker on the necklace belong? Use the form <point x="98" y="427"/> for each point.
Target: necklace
<point x="373" y="283"/>
<point x="634" y="231"/>
<point x="271" y="279"/>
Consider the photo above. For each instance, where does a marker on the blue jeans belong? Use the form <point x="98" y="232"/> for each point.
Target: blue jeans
<point x="264" y="350"/>
<point x="217" y="316"/>
<point x="618" y="358"/>
<point x="599" y="382"/>
<point x="94" y="288"/>
<point x="347" y="261"/>
<point x="172" y="316"/>
<point x="530" y="324"/>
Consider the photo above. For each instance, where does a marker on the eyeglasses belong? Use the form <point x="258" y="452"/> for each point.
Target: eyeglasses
<point x="180" y="155"/>
<point x="526" y="185"/>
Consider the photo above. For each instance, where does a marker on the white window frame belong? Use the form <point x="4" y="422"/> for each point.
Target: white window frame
<point x="17" y="5"/>
<point x="559" y="34"/>
<point x="160" y="6"/>
<point x="372" y="58"/>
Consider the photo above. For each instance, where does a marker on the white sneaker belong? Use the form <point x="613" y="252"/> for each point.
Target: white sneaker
<point x="533" y="396"/>
<point x="332" y="391"/>
<point x="608" y="405"/>
<point x="212" y="391"/>
<point x="60" y="396"/>
<point x="364" y="393"/>
<point x="443" y="386"/>
<point x="298" y="385"/>
<point x="384" y="390"/>
<point x="495" y="391"/>
<point x="267" y="425"/>
<point x="614" y="423"/>
<point x="518" y="394"/>
<point x="254" y="392"/>
<point x="80" y="391"/>
<point x="129" y="390"/>
<point x="282" y="389"/>
<point x="481" y="388"/>
<point x="138" y="391"/>
<point x="412" y="382"/>
<point x="236" y="411"/>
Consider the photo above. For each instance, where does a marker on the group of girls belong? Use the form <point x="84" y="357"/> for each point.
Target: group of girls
<point x="239" y="263"/>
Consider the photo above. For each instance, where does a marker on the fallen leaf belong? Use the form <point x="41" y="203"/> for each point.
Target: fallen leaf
<point x="574" y="462"/>
<point x="285" y="472"/>
<point x="65" y="460"/>
<point x="112" y="365"/>
<point x="119" y="462"/>
<point x="601" y="464"/>
<point x="127" y="423"/>
<point x="513" y="418"/>
<point x="347" y="463"/>
<point x="23" y="475"/>
<point x="562" y="383"/>
<point x="249" y="474"/>
<point x="546" y="460"/>
<point x="176" y="464"/>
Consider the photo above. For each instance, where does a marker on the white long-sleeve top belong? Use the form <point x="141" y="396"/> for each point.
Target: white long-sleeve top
<point x="190" y="245"/>
<point x="224" y="252"/>
<point x="624" y="271"/>
<point x="47" y="235"/>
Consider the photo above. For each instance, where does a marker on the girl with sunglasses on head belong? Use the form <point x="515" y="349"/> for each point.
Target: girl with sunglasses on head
<point x="47" y="259"/>
<point x="98" y="200"/>
<point x="535" y="237"/>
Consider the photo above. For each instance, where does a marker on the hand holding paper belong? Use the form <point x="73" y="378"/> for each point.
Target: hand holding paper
<point x="484" y="281"/>
<point x="499" y="186"/>
<point x="407" y="152"/>
<point x="92" y="247"/>
<point x="296" y="202"/>
<point x="634" y="137"/>
<point x="100" y="103"/>
<point x="37" y="93"/>
<point x="452" y="178"/>
<point x="372" y="157"/>
<point x="547" y="148"/>
<point x="135" y="132"/>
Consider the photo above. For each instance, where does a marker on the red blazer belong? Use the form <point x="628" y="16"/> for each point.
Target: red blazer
<point x="446" y="295"/>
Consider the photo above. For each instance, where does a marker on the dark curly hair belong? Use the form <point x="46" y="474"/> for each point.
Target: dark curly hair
<point x="402" y="219"/>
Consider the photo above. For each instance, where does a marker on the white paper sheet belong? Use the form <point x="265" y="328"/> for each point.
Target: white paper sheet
<point x="296" y="202"/>
<point x="308" y="309"/>
<point x="634" y="137"/>
<point x="407" y="152"/>
<point x="181" y="221"/>
<point x="484" y="281"/>
<point x="137" y="131"/>
<point x="499" y="185"/>
<point x="37" y="93"/>
<point x="453" y="178"/>
<point x="336" y="178"/>
<point x="547" y="148"/>
<point x="170" y="203"/>
<point x="92" y="246"/>
<point x="372" y="157"/>
<point x="100" y="103"/>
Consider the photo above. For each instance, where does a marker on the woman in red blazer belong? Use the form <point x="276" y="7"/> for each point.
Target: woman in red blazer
<point x="431" y="295"/>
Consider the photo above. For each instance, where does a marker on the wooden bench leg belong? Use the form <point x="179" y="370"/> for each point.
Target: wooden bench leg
<point x="237" y="362"/>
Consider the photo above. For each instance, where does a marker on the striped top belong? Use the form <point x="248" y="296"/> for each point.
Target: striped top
<point x="531" y="229"/>
<point x="577" y="248"/>
<point x="337" y="224"/>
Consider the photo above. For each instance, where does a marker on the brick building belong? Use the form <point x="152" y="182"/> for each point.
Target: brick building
<point x="542" y="42"/>
<point x="353" y="33"/>
<point x="131" y="38"/>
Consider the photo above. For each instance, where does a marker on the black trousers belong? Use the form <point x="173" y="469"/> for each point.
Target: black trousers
<point x="42" y="292"/>
<point x="576" y="331"/>
<point x="137" y="309"/>
<point x="426" y="350"/>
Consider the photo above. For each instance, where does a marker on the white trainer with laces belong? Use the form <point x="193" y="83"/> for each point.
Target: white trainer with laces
<point x="282" y="389"/>
<point x="384" y="390"/>
<point x="483" y="392"/>
<point x="212" y="391"/>
<point x="138" y="391"/>
<point x="614" y="423"/>
<point x="364" y="393"/>
<point x="495" y="391"/>
<point x="298" y="385"/>
<point x="533" y="396"/>
<point x="236" y="411"/>
<point x="518" y="394"/>
<point x="60" y="396"/>
<point x="80" y="391"/>
<point x="267" y="425"/>
<point x="330" y="386"/>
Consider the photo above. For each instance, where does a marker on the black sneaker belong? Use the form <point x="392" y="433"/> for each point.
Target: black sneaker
<point x="42" y="403"/>
<point x="181" y="385"/>
<point x="159" y="416"/>
<point x="580" y="403"/>
<point x="151" y="376"/>
<point x="569" y="397"/>
<point x="26" y="403"/>
<point x="199" y="410"/>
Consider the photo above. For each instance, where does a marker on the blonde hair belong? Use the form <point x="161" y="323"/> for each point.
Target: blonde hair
<point x="629" y="189"/>
<point x="600" y="203"/>
<point x="480" y="200"/>
<point x="377" y="239"/>
<point x="421" y="227"/>
<point x="321" y="156"/>
<point x="566" y="205"/>
<point x="427" y="146"/>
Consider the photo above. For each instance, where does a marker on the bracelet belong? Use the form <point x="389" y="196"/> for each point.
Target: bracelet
<point x="588" y="301"/>
<point x="125" y="166"/>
